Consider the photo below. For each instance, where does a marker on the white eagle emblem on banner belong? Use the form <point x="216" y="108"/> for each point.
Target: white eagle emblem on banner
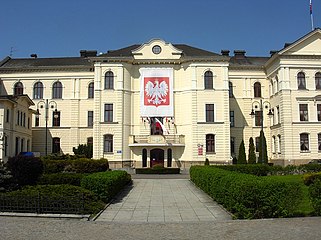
<point x="156" y="92"/>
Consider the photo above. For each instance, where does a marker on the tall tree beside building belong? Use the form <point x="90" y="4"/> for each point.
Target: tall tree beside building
<point x="263" y="158"/>
<point x="252" y="155"/>
<point x="242" y="157"/>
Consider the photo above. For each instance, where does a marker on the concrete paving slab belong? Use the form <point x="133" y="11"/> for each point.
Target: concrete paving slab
<point x="163" y="200"/>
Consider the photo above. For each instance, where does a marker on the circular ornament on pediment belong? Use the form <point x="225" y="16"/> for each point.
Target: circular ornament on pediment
<point x="156" y="49"/>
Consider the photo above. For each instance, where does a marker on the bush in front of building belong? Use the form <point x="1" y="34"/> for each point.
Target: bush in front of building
<point x="62" y="178"/>
<point x="106" y="184"/>
<point x="65" y="198"/>
<point x="25" y="170"/>
<point x="81" y="165"/>
<point x="7" y="182"/>
<point x="254" y="169"/>
<point x="315" y="195"/>
<point x="84" y="150"/>
<point x="248" y="196"/>
<point x="242" y="157"/>
<point x="252" y="155"/>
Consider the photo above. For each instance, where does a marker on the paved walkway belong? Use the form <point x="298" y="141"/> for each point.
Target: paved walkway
<point x="163" y="201"/>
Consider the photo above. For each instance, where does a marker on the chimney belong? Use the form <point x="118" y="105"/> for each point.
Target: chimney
<point x="225" y="52"/>
<point x="272" y="52"/>
<point x="287" y="44"/>
<point x="239" y="53"/>
<point x="88" y="53"/>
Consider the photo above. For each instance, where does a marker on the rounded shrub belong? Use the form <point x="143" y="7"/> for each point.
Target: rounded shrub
<point x="26" y="170"/>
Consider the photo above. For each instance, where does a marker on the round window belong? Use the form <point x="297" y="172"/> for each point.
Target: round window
<point x="156" y="49"/>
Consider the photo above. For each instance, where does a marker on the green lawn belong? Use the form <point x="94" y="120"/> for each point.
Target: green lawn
<point x="304" y="208"/>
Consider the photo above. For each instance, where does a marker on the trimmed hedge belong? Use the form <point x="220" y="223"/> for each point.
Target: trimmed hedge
<point x="310" y="178"/>
<point x="157" y="170"/>
<point x="248" y="196"/>
<point x="106" y="184"/>
<point x="315" y="195"/>
<point x="81" y="165"/>
<point x="54" y="193"/>
<point x="254" y="169"/>
<point x="62" y="178"/>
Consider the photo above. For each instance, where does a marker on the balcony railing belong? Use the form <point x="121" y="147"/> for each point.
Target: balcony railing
<point x="160" y="140"/>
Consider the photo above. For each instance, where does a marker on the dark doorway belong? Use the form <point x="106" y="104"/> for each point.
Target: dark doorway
<point x="156" y="157"/>
<point x="169" y="157"/>
<point x="144" y="157"/>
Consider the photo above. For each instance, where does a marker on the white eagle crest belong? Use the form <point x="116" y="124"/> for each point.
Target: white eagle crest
<point x="156" y="91"/>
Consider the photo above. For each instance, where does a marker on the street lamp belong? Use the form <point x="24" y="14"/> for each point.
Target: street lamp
<point x="262" y="105"/>
<point x="45" y="104"/>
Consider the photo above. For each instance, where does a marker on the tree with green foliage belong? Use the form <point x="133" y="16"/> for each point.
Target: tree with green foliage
<point x="252" y="155"/>
<point x="263" y="158"/>
<point x="84" y="150"/>
<point x="242" y="157"/>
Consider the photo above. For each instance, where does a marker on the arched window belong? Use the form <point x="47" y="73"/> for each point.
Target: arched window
<point x="210" y="143"/>
<point x="56" y="145"/>
<point x="91" y="90"/>
<point x="230" y="89"/>
<point x="318" y="80"/>
<point x="57" y="90"/>
<point x="301" y="80"/>
<point x="18" y="89"/>
<point x="109" y="80"/>
<point x="257" y="89"/>
<point x="208" y="80"/>
<point x="108" y="143"/>
<point x="304" y="142"/>
<point x="38" y="90"/>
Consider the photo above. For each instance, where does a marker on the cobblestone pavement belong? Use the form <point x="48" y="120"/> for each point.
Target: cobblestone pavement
<point x="163" y="201"/>
<point x="20" y="228"/>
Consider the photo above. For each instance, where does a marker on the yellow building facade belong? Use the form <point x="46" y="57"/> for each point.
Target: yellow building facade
<point x="173" y="104"/>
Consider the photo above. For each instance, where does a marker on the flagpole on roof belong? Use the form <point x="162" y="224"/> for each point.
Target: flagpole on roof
<point x="311" y="15"/>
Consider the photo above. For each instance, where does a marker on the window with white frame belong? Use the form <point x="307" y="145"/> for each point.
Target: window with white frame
<point x="304" y="114"/>
<point x="304" y="142"/>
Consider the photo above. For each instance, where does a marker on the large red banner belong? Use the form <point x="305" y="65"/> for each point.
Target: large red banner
<point x="156" y="91"/>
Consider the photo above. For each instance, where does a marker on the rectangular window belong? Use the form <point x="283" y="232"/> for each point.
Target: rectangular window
<point x="303" y="112"/>
<point x="304" y="142"/>
<point x="319" y="142"/>
<point x="18" y="117"/>
<point x="37" y="121"/>
<point x="279" y="144"/>
<point x="258" y="118"/>
<point x="277" y="114"/>
<point x="232" y="119"/>
<point x="108" y="143"/>
<point x="56" y="119"/>
<point x="90" y="118"/>
<point x="319" y="112"/>
<point x="257" y="144"/>
<point x="232" y="145"/>
<point x="108" y="117"/>
<point x="209" y="108"/>
<point x="8" y="115"/>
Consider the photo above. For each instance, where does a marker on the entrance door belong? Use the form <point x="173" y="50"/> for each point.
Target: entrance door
<point x="156" y="157"/>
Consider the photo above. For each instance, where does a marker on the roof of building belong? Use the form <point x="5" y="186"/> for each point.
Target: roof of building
<point x="188" y="51"/>
<point x="27" y="63"/>
<point x="248" y="61"/>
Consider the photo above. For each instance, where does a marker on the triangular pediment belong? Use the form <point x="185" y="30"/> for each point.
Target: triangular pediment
<point x="310" y="44"/>
<point x="157" y="49"/>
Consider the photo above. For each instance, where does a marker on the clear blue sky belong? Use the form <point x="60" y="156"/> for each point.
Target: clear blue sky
<point x="54" y="28"/>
